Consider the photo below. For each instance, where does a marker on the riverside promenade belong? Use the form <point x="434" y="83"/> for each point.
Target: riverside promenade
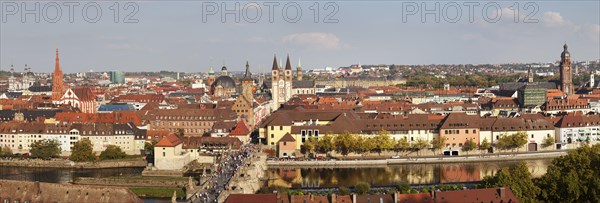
<point x="420" y="160"/>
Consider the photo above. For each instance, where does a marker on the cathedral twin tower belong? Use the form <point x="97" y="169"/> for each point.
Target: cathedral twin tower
<point x="281" y="81"/>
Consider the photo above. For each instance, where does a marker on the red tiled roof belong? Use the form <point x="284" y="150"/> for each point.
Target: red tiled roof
<point x="171" y="140"/>
<point x="413" y="198"/>
<point x="492" y="195"/>
<point x="241" y="128"/>
<point x="251" y="198"/>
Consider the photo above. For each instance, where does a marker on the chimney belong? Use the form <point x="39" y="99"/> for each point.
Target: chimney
<point x="395" y="197"/>
<point x="333" y="198"/>
<point x="433" y="194"/>
<point x="502" y="193"/>
<point x="353" y="197"/>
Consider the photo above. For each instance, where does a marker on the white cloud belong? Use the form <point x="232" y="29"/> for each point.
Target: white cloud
<point x="553" y="19"/>
<point x="315" y="40"/>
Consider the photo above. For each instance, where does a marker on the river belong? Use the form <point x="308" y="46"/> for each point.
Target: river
<point x="415" y="174"/>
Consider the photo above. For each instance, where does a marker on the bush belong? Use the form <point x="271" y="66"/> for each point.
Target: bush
<point x="112" y="152"/>
<point x="6" y="152"/>
<point x="403" y="188"/>
<point x="362" y="188"/>
<point x="344" y="191"/>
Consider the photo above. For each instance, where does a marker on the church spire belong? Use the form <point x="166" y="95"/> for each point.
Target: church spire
<point x="275" y="67"/>
<point x="57" y="65"/>
<point x="247" y="75"/>
<point x="57" y="83"/>
<point x="288" y="66"/>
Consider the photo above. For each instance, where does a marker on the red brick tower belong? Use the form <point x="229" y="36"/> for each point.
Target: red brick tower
<point x="57" y="84"/>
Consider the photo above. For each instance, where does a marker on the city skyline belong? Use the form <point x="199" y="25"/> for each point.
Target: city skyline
<point x="183" y="42"/>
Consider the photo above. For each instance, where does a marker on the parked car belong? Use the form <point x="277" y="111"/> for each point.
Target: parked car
<point x="395" y="157"/>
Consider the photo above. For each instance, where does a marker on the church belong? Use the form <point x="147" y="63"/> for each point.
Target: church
<point x="283" y="86"/>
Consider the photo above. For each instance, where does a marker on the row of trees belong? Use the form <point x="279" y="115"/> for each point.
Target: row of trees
<point x="81" y="151"/>
<point x="571" y="178"/>
<point x="347" y="143"/>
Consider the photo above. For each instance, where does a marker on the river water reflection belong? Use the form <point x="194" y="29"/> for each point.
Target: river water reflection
<point x="55" y="175"/>
<point x="391" y="175"/>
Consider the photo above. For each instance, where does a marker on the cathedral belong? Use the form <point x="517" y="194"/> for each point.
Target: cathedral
<point x="281" y="83"/>
<point x="566" y="72"/>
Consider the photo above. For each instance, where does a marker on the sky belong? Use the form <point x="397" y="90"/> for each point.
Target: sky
<point x="192" y="36"/>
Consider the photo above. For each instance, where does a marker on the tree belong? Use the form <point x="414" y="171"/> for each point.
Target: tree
<point x="362" y="188"/>
<point x="402" y="145"/>
<point x="518" y="178"/>
<point x="309" y="146"/>
<point x="518" y="140"/>
<point x="6" y="151"/>
<point x="574" y="177"/>
<point x="485" y="145"/>
<point x="344" y="143"/>
<point x="419" y="145"/>
<point x="361" y="145"/>
<point x="325" y="144"/>
<point x="382" y="142"/>
<point x="112" y="152"/>
<point x="45" y="149"/>
<point x="82" y="151"/>
<point x="468" y="146"/>
<point x="149" y="147"/>
<point x="548" y="141"/>
<point x="503" y="142"/>
<point x="438" y="143"/>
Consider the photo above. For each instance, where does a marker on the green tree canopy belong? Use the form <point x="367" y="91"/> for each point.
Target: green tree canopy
<point x="149" y="147"/>
<point x="574" y="177"/>
<point x="548" y="141"/>
<point x="45" y="149"/>
<point x="402" y="145"/>
<point x="344" y="143"/>
<point x="362" y="188"/>
<point x="325" y="144"/>
<point x="82" y="151"/>
<point x="6" y="151"/>
<point x="485" y="145"/>
<point x="112" y="152"/>
<point x="518" y="178"/>
<point x="419" y="145"/>
<point x="469" y="145"/>
<point x="438" y="143"/>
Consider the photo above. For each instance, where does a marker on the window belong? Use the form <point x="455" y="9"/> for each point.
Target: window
<point x="531" y="136"/>
<point x="474" y="131"/>
<point x="272" y="143"/>
<point x="466" y="131"/>
<point x="316" y="133"/>
<point x="280" y="127"/>
<point x="272" y="127"/>
<point x="284" y="143"/>
<point x="272" y="135"/>
<point x="303" y="132"/>
<point x="164" y="154"/>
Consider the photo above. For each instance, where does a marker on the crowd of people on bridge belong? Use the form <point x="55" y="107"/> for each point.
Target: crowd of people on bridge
<point x="225" y="169"/>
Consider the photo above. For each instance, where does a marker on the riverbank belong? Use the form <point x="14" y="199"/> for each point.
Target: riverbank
<point x="418" y="160"/>
<point x="62" y="163"/>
